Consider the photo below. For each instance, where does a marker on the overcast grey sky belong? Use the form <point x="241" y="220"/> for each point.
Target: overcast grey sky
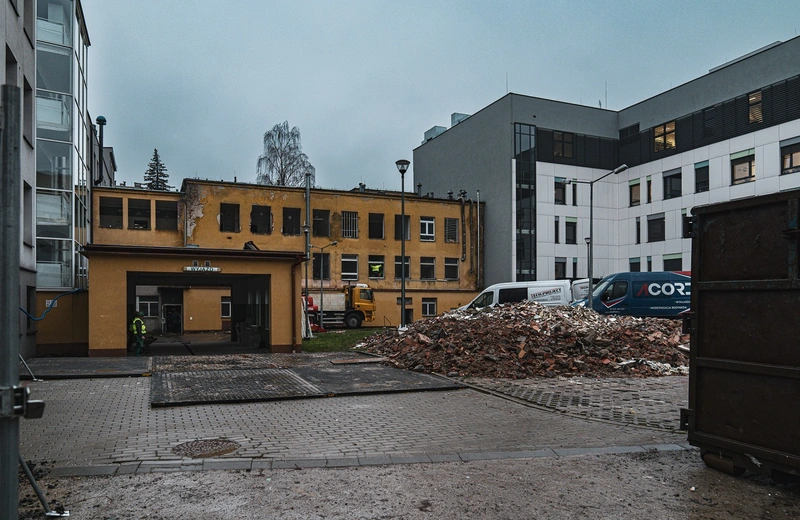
<point x="202" y="80"/>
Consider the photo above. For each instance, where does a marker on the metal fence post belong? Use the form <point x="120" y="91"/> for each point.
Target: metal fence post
<point x="10" y="185"/>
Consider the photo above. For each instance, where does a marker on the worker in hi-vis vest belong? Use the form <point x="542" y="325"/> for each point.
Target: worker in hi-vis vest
<point x="139" y="330"/>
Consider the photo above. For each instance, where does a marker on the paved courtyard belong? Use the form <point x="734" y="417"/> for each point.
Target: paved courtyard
<point x="107" y="426"/>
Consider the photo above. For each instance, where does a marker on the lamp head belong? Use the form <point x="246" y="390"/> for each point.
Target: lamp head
<point x="402" y="166"/>
<point x="620" y="168"/>
<point x="100" y="120"/>
<point x="588" y="240"/>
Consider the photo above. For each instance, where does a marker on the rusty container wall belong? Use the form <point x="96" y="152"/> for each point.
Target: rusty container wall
<point x="744" y="377"/>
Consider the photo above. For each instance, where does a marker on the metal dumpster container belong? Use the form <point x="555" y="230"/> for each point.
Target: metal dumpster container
<point x="744" y="374"/>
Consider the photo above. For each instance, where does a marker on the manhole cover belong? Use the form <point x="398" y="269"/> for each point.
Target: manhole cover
<point x="206" y="448"/>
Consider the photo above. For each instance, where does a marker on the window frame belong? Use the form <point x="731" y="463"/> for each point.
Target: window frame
<point x="108" y="219"/>
<point x="349" y="224"/>
<point x="701" y="181"/>
<point x="563" y="144"/>
<point x="289" y="214"/>
<point x="326" y="266"/>
<point x="664" y="137"/>
<point x="449" y="265"/>
<point x="145" y="216"/>
<point x="376" y="260"/>
<point x="225" y="301"/>
<point x="570" y="232"/>
<point x="560" y="264"/>
<point x="256" y="222"/>
<point x="658" y="219"/>
<point x="427" y="229"/>
<point x="398" y="224"/>
<point x="792" y="153"/>
<point x="750" y="161"/>
<point x="373" y="226"/>
<point x="755" y="110"/>
<point x="427" y="268"/>
<point x="673" y="184"/>
<point x="148" y="301"/>
<point x="225" y="223"/>
<point x="397" y="263"/>
<point x="349" y="274"/>
<point x="321" y="222"/>
<point x="427" y="305"/>
<point x="451" y="230"/>
<point x="635" y="188"/>
<point x="167" y="223"/>
<point x="557" y="229"/>
<point x="560" y="191"/>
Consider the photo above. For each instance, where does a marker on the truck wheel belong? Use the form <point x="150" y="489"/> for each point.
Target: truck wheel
<point x="353" y="321"/>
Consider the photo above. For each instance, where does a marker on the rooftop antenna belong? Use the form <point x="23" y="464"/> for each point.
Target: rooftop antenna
<point x="606" y="94"/>
<point x="506" y="82"/>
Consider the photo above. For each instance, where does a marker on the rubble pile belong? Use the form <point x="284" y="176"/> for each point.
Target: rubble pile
<point x="528" y="339"/>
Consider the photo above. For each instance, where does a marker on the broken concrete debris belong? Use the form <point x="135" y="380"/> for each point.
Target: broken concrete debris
<point x="528" y="339"/>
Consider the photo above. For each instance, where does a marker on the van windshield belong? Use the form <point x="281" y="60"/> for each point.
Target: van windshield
<point x="600" y="288"/>
<point x="483" y="300"/>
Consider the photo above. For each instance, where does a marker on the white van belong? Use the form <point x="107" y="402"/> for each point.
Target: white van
<point x="554" y="292"/>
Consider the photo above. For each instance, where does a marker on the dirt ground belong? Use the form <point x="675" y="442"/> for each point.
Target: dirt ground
<point x="662" y="485"/>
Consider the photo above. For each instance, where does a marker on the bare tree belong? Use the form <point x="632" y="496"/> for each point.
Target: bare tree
<point x="156" y="175"/>
<point x="283" y="162"/>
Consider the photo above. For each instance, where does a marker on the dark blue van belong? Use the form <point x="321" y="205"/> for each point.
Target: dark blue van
<point x="663" y="294"/>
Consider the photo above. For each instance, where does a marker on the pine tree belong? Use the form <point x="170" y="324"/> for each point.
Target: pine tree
<point x="156" y="175"/>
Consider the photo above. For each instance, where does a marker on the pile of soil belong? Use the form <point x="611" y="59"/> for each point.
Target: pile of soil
<point x="528" y="339"/>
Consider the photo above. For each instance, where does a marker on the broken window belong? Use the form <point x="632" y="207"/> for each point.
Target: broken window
<point x="111" y="212"/>
<point x="291" y="221"/>
<point x="451" y="230"/>
<point x="261" y="220"/>
<point x="321" y="223"/>
<point x="376" y="225"/>
<point x="138" y="214"/>
<point x="228" y="218"/>
<point x="167" y="214"/>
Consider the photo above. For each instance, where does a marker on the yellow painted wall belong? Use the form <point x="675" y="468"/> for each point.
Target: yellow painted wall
<point x="388" y="309"/>
<point x="64" y="331"/>
<point x="136" y="237"/>
<point x="202" y="308"/>
<point x="108" y="305"/>
<point x="203" y="201"/>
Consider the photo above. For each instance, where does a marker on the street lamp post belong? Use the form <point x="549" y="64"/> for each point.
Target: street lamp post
<point x="590" y="240"/>
<point x="321" y="274"/>
<point x="306" y="232"/>
<point x="402" y="166"/>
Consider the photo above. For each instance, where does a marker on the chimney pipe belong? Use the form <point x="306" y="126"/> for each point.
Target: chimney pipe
<point x="101" y="122"/>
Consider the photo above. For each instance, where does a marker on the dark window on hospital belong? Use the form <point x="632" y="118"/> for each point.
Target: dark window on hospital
<point x="562" y="144"/>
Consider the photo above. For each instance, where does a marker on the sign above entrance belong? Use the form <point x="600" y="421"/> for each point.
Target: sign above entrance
<point x="201" y="269"/>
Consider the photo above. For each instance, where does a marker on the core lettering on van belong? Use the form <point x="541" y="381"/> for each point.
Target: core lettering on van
<point x="665" y="289"/>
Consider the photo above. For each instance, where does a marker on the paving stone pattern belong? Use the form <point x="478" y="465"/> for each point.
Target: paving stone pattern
<point x="651" y="402"/>
<point x="97" y="422"/>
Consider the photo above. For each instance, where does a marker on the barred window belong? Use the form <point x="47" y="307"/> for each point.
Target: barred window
<point x="349" y="224"/>
<point x="451" y="230"/>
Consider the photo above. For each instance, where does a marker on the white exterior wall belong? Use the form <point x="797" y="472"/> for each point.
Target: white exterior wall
<point x="615" y="219"/>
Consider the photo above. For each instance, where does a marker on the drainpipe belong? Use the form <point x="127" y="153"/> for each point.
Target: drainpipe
<point x="300" y="260"/>
<point x="101" y="122"/>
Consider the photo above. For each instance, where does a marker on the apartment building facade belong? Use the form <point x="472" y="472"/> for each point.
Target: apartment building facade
<point x="732" y="133"/>
<point x="19" y="69"/>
